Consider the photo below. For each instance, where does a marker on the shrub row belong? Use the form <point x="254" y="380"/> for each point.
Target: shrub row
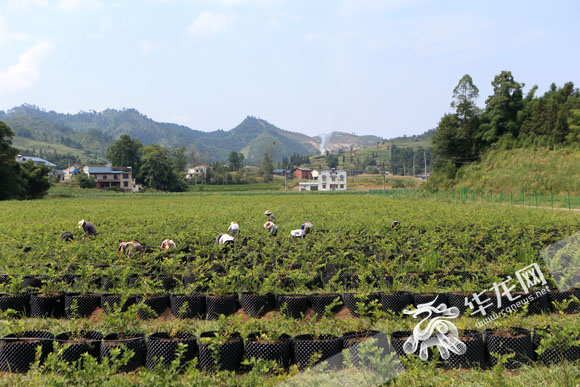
<point x="222" y="352"/>
<point x="198" y="305"/>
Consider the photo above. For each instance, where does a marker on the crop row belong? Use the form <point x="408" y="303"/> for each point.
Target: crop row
<point x="198" y="305"/>
<point x="215" y="351"/>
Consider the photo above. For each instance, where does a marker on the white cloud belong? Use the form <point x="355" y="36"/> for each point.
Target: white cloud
<point x="209" y="23"/>
<point x="24" y="74"/>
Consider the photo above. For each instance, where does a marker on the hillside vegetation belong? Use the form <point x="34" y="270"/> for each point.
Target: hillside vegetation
<point x="85" y="136"/>
<point x="538" y="170"/>
<point x="506" y="145"/>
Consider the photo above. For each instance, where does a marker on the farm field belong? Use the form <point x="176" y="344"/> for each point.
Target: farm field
<point x="348" y="279"/>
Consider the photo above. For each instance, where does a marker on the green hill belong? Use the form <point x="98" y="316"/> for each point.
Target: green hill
<point x="86" y="135"/>
<point x="540" y="170"/>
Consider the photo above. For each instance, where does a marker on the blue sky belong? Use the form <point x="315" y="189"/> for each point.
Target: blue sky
<point x="383" y="67"/>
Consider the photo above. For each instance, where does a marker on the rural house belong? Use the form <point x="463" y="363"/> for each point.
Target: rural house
<point x="302" y="173"/>
<point x="198" y="170"/>
<point x="106" y="177"/>
<point x="328" y="180"/>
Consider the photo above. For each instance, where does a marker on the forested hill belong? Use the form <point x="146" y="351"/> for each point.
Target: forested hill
<point x="85" y="136"/>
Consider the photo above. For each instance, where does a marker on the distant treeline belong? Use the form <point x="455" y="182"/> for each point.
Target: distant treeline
<point x="509" y="120"/>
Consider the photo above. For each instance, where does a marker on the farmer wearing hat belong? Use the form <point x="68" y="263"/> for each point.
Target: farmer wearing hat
<point x="234" y="228"/>
<point x="271" y="227"/>
<point x="88" y="228"/>
<point x="128" y="248"/>
<point x="395" y="224"/>
<point x="297" y="233"/>
<point x="306" y="227"/>
<point x="271" y="217"/>
<point x="224" y="239"/>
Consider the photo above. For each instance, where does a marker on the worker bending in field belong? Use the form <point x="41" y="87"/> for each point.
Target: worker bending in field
<point x="271" y="217"/>
<point x="88" y="228"/>
<point x="395" y="224"/>
<point x="306" y="227"/>
<point x="130" y="248"/>
<point x="67" y="236"/>
<point x="224" y="239"/>
<point x="271" y="227"/>
<point x="233" y="229"/>
<point x="167" y="245"/>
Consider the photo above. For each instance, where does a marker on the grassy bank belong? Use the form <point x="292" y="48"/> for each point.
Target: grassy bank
<point x="538" y="170"/>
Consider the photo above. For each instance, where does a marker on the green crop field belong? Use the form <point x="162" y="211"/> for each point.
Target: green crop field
<point x="335" y="286"/>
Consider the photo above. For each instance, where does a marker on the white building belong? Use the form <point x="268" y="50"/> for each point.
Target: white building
<point x="329" y="180"/>
<point x="199" y="170"/>
<point x="35" y="160"/>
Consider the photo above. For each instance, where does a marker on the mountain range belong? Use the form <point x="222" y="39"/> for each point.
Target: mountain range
<point x="86" y="135"/>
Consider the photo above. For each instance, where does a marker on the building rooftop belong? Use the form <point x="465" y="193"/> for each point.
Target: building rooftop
<point x="22" y="159"/>
<point x="102" y="170"/>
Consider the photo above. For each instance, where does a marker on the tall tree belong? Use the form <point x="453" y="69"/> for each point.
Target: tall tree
<point x="500" y="117"/>
<point x="234" y="160"/>
<point x="158" y="170"/>
<point x="126" y="152"/>
<point x="267" y="168"/>
<point x="10" y="177"/>
<point x="332" y="160"/>
<point x="179" y="157"/>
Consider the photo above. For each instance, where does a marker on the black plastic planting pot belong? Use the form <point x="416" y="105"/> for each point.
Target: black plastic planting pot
<point x="162" y="348"/>
<point x="305" y="346"/>
<point x="351" y="300"/>
<point x="110" y="301"/>
<point x="278" y="349"/>
<point x="396" y="302"/>
<point x="167" y="282"/>
<point x="516" y="340"/>
<point x="187" y="306"/>
<point x="81" y="305"/>
<point x="20" y="303"/>
<point x="458" y="300"/>
<point x="356" y="341"/>
<point x="398" y="339"/>
<point x="46" y="305"/>
<point x="30" y="282"/>
<point x="157" y="303"/>
<point x="425" y="298"/>
<point x="77" y="343"/>
<point x="292" y="305"/>
<point x="554" y="354"/>
<point x="539" y="304"/>
<point x="562" y="295"/>
<point x="134" y="342"/>
<point x="228" y="353"/>
<point x="319" y="303"/>
<point x="224" y="304"/>
<point x="474" y="356"/>
<point x="18" y="350"/>
<point x="257" y="305"/>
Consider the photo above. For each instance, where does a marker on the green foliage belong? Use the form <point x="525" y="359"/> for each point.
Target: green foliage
<point x="84" y="181"/>
<point x="126" y="152"/>
<point x="158" y="170"/>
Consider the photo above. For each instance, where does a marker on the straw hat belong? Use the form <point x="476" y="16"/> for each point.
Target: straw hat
<point x="268" y="224"/>
<point x="81" y="223"/>
<point x="267" y="213"/>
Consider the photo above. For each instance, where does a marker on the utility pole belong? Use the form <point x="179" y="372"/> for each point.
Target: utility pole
<point x="284" y="179"/>
<point x="425" y="158"/>
<point x="384" y="182"/>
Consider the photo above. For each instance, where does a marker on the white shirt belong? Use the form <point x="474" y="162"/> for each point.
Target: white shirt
<point x="297" y="233"/>
<point x="225" y="238"/>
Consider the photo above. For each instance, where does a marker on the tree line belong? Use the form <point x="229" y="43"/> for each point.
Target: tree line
<point x="508" y="120"/>
<point x="19" y="180"/>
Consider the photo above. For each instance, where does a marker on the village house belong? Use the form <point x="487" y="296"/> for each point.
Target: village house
<point x="328" y="180"/>
<point x="105" y="176"/>
<point x="302" y="173"/>
<point x="54" y="173"/>
<point x="198" y="170"/>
